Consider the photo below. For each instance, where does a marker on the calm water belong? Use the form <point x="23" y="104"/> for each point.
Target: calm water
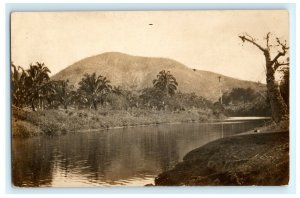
<point x="131" y="156"/>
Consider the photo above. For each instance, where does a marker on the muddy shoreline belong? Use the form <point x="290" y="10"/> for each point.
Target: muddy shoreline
<point x="248" y="159"/>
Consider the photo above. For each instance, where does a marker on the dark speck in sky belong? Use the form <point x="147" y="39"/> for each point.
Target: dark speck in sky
<point x="150" y="24"/>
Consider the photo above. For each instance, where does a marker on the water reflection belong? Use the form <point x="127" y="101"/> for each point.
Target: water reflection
<point x="132" y="156"/>
<point x="32" y="162"/>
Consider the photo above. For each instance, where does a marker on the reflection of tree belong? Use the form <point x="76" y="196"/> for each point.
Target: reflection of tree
<point x="167" y="149"/>
<point x="32" y="163"/>
<point x="119" y="155"/>
<point x="98" y="159"/>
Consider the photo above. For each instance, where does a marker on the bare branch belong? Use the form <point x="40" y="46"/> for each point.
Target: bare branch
<point x="284" y="48"/>
<point x="279" y="64"/>
<point x="267" y="39"/>
<point x="248" y="38"/>
<point x="283" y="45"/>
<point x="277" y="56"/>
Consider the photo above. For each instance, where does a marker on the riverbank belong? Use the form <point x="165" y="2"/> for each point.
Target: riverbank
<point x="26" y="123"/>
<point x="253" y="158"/>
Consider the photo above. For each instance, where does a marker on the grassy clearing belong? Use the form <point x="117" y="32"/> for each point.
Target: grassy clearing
<point x="56" y="122"/>
<point x="252" y="159"/>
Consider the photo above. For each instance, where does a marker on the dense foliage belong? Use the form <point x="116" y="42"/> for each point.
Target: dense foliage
<point x="33" y="88"/>
<point x="30" y="86"/>
<point x="246" y="102"/>
<point x="285" y="86"/>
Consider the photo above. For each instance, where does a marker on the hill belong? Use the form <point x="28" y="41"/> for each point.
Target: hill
<point x="135" y="73"/>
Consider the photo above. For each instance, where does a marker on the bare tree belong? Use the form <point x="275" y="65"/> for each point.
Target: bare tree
<point x="278" y="106"/>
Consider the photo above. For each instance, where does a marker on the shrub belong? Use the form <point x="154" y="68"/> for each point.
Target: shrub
<point x="50" y="129"/>
<point x="18" y="113"/>
<point x="24" y="129"/>
<point x="54" y="127"/>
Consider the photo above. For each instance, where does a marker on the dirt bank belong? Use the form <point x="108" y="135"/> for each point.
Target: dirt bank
<point x="248" y="159"/>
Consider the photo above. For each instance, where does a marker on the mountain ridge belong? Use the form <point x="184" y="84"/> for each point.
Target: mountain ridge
<point x="137" y="72"/>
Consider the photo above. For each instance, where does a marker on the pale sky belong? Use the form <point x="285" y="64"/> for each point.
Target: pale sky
<point x="205" y="40"/>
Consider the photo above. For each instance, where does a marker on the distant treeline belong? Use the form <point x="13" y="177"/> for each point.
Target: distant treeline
<point x="246" y="102"/>
<point x="33" y="88"/>
<point x="249" y="102"/>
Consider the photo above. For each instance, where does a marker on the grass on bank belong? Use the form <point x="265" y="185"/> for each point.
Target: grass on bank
<point x="27" y="123"/>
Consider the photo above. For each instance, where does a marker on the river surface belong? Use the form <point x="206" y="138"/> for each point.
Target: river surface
<point x="116" y="157"/>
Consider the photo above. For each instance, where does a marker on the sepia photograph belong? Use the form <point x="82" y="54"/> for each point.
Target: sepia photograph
<point x="150" y="98"/>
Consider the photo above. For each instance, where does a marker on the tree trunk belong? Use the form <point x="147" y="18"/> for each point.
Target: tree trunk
<point x="32" y="105"/>
<point x="95" y="105"/>
<point x="42" y="104"/>
<point x="278" y="106"/>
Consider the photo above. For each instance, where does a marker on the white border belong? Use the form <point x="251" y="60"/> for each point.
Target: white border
<point x="4" y="105"/>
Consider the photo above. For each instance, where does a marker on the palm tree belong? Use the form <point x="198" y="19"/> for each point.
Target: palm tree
<point x="63" y="93"/>
<point x="94" y="88"/>
<point x="166" y="82"/>
<point x="117" y="90"/>
<point x="37" y="83"/>
<point x="47" y="92"/>
<point x="18" y="76"/>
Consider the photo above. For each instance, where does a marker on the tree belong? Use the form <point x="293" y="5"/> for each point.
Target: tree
<point x="153" y="98"/>
<point x="36" y="83"/>
<point x="117" y="90"/>
<point x="18" y="76"/>
<point x="284" y="85"/>
<point x="47" y="93"/>
<point x="63" y="93"/>
<point x="272" y="64"/>
<point x="246" y="102"/>
<point x="166" y="82"/>
<point x="239" y="95"/>
<point x="94" y="89"/>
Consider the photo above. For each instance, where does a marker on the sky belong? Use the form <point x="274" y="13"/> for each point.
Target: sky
<point x="204" y="40"/>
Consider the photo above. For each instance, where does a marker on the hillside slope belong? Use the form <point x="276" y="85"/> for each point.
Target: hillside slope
<point x="135" y="73"/>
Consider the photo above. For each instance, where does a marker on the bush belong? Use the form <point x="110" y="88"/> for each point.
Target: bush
<point x="24" y="129"/>
<point x="50" y="129"/>
<point x="18" y="113"/>
<point x="53" y="129"/>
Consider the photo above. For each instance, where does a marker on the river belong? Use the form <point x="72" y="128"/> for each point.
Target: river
<point x="116" y="157"/>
